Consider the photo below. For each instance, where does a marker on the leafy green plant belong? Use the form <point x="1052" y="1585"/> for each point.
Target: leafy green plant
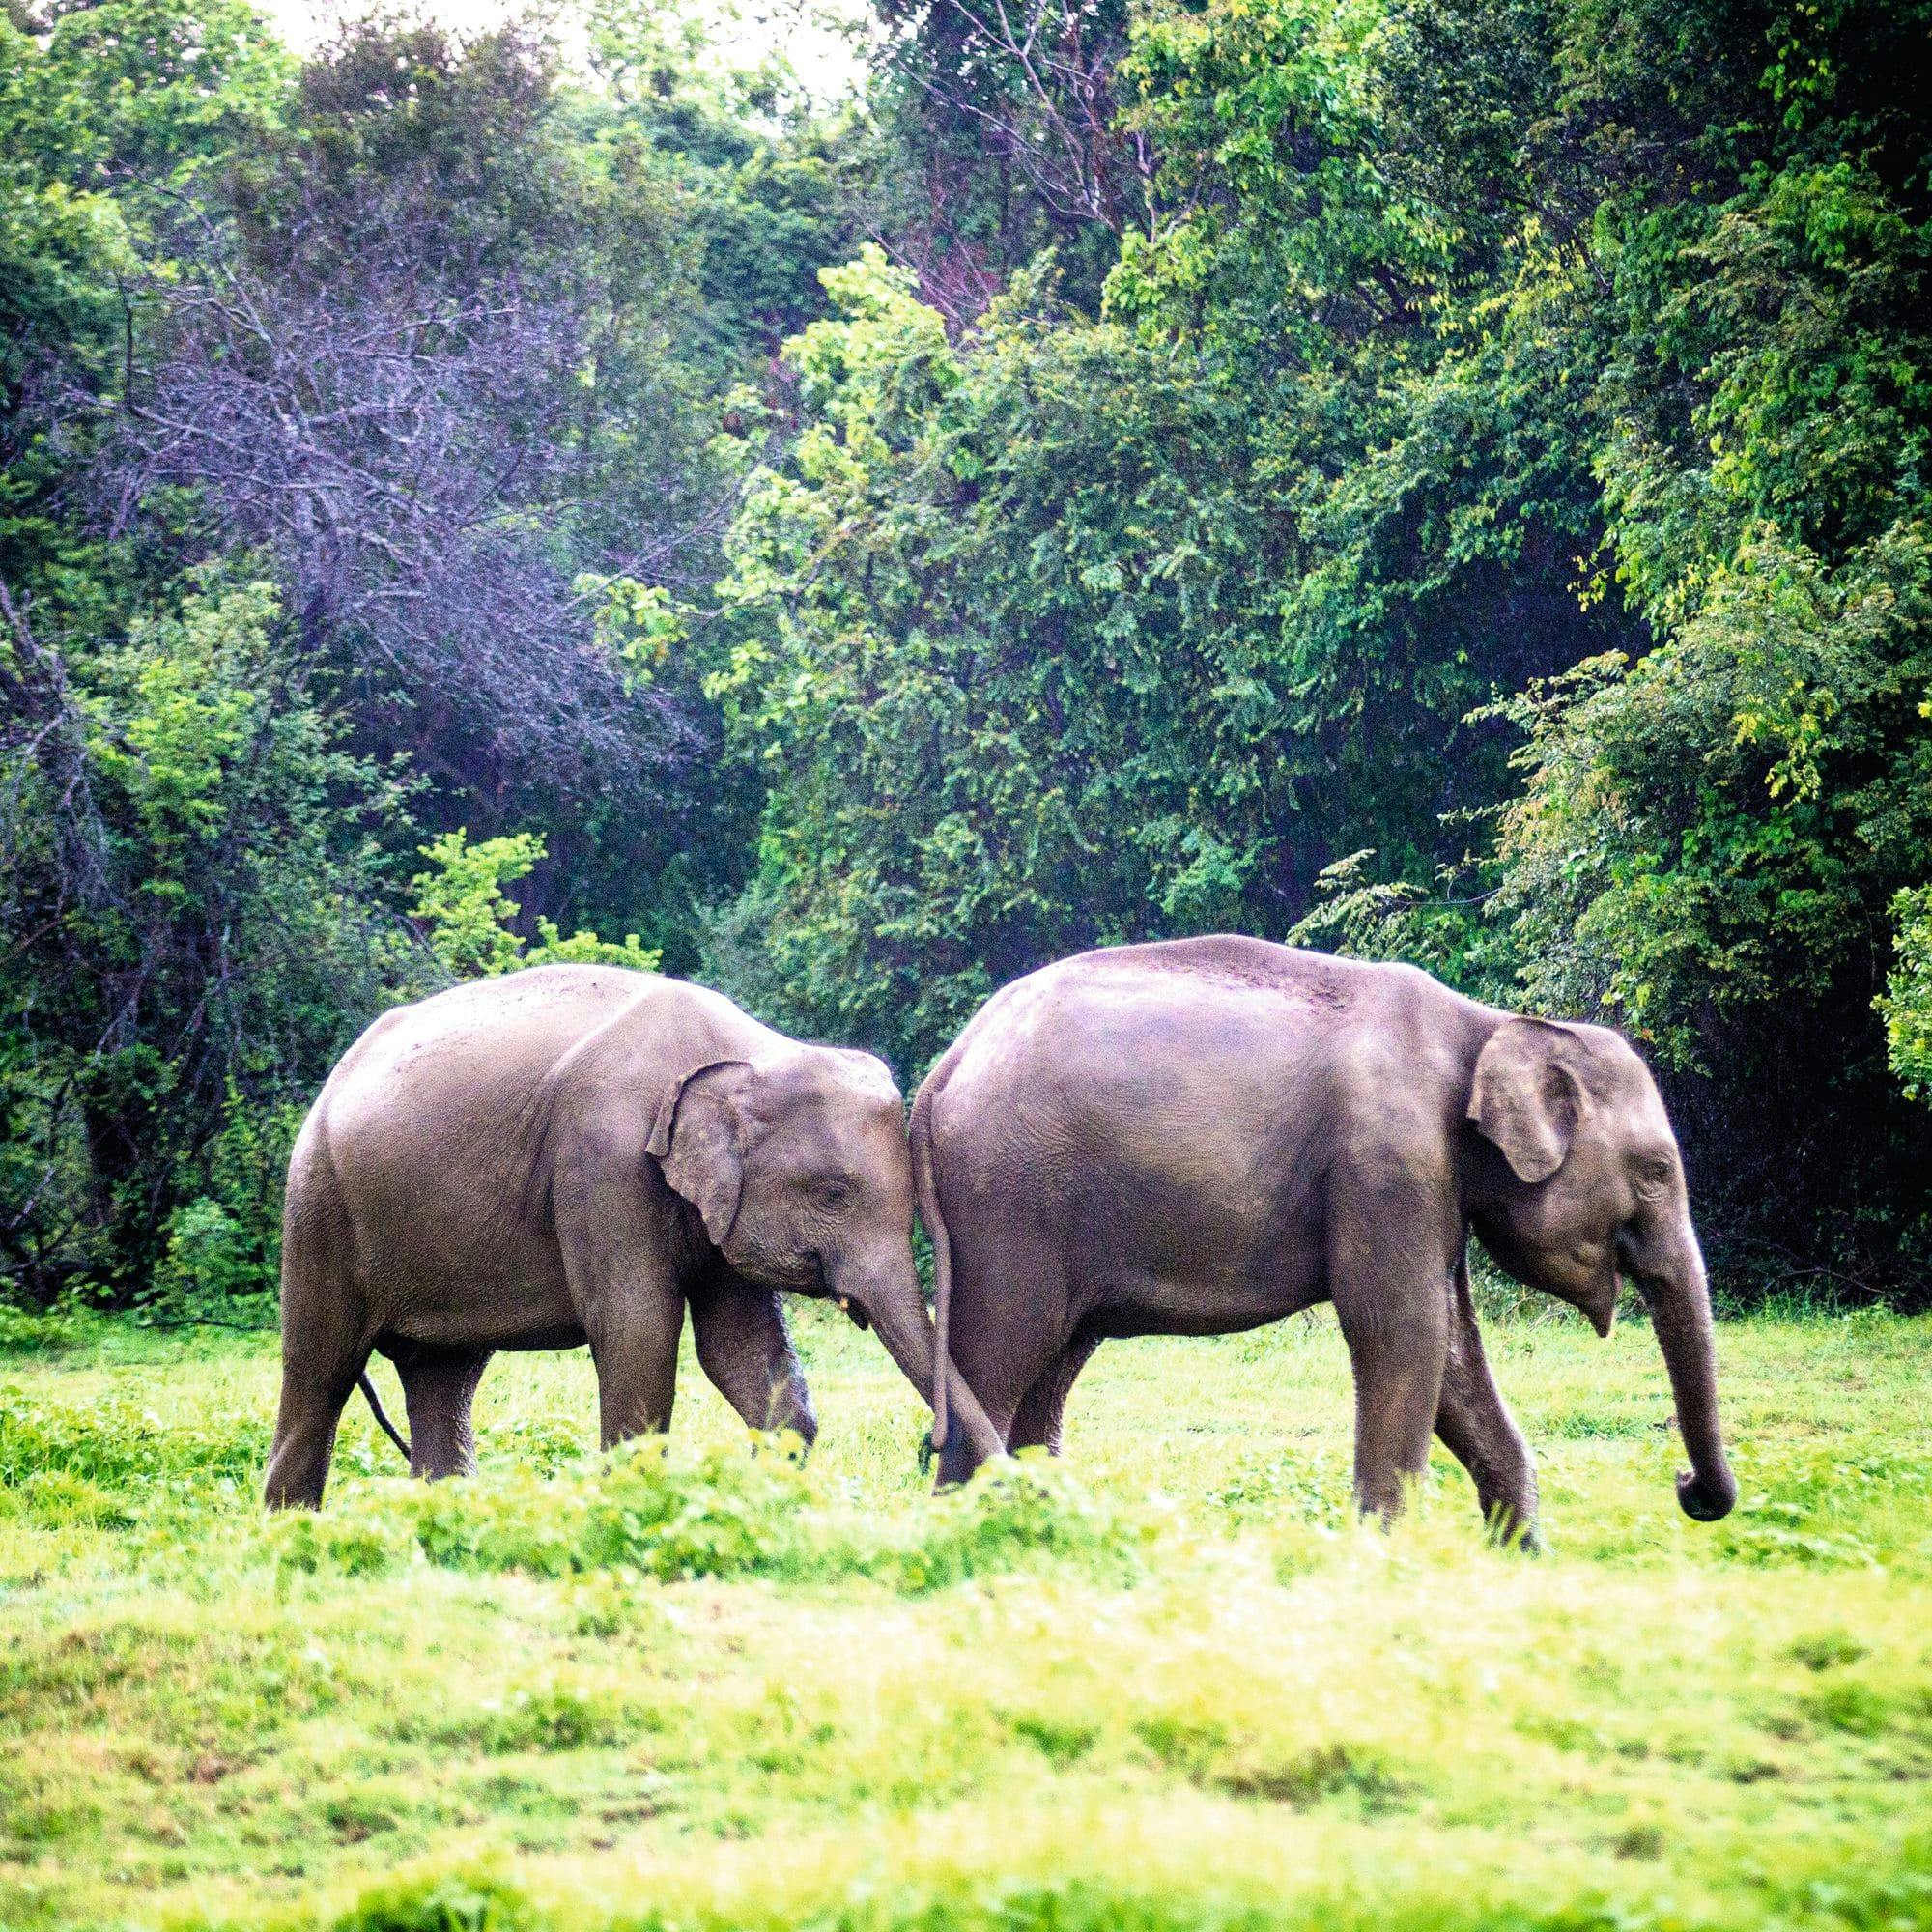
<point x="645" y="1511"/>
<point x="467" y="913"/>
<point x="202" y="932"/>
<point x="1906" y="1003"/>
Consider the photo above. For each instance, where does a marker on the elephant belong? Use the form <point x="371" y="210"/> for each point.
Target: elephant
<point x="578" y="1153"/>
<point x="1203" y="1135"/>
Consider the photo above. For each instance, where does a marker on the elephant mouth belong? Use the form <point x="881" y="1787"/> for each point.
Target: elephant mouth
<point x="1596" y="1299"/>
<point x="1605" y="1274"/>
<point x="1603" y="1320"/>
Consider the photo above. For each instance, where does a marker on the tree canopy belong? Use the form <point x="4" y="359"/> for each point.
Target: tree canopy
<point x="1440" y="479"/>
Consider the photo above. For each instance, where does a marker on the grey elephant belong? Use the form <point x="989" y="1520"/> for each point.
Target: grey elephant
<point x="580" y="1153"/>
<point x="1197" y="1137"/>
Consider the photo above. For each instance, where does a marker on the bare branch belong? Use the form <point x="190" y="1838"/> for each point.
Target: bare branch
<point x="401" y="439"/>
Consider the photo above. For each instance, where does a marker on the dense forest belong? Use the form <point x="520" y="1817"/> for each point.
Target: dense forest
<point x="1442" y="479"/>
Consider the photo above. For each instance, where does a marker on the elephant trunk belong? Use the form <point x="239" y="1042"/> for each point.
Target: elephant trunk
<point x="892" y="1304"/>
<point x="1679" y="1298"/>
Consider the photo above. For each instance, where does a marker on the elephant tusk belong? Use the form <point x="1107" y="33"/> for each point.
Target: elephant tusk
<point x="845" y="1304"/>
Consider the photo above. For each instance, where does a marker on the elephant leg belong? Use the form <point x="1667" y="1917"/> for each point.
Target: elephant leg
<point x="325" y="1348"/>
<point x="1010" y="1324"/>
<point x="439" y="1386"/>
<point x="634" y="1337"/>
<point x="1388" y="1278"/>
<point x="1478" y="1430"/>
<point x="313" y="1395"/>
<point x="627" y="1291"/>
<point x="1039" y="1419"/>
<point x="744" y="1347"/>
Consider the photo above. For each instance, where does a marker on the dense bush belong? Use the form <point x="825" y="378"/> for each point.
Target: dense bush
<point x="191" y="859"/>
<point x="357" y="419"/>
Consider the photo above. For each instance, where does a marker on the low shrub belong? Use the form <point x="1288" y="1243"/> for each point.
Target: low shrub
<point x="722" y="1513"/>
<point x="648" y="1512"/>
<point x="1012" y="1512"/>
<point x="467" y="1902"/>
<point x="118" y="1445"/>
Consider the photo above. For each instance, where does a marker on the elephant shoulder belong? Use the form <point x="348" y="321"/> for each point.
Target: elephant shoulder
<point x="1399" y="1082"/>
<point x="602" y="1095"/>
<point x="666" y="1028"/>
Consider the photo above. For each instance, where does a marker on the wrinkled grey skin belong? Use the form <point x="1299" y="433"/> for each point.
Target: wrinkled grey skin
<point x="1198" y="1137"/>
<point x="579" y="1154"/>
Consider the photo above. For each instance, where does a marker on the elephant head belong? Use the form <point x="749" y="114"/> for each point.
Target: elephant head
<point x="1574" y="1180"/>
<point x="798" y="1167"/>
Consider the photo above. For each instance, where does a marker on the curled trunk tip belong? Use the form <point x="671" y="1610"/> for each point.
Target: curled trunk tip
<point x="1679" y="1298"/>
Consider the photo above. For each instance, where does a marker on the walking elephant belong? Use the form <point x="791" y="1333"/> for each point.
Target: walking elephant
<point x="580" y="1153"/>
<point x="1202" y="1136"/>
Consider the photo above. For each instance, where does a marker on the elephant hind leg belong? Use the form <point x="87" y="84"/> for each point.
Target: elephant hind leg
<point x="325" y="1348"/>
<point x="305" y="1424"/>
<point x="1039" y="1421"/>
<point x="1012" y="1324"/>
<point x="439" y="1386"/>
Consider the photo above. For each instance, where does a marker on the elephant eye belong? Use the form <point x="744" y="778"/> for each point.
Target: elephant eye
<point x="834" y="1193"/>
<point x="1652" y="1173"/>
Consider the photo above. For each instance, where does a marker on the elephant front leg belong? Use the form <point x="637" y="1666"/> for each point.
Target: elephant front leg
<point x="634" y="1333"/>
<point x="1389" y="1292"/>
<point x="626" y="1284"/>
<point x="1477" y="1429"/>
<point x="745" y="1348"/>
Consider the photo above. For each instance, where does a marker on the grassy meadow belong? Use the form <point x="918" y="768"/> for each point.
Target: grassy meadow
<point x="1164" y="1682"/>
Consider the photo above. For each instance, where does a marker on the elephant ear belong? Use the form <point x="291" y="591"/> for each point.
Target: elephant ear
<point x="1525" y="1100"/>
<point x="698" y="1137"/>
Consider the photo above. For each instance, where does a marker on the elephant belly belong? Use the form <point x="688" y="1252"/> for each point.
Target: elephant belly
<point x="501" y="1300"/>
<point x="525" y="1341"/>
<point x="1201" y="1297"/>
<point x="445" y="1265"/>
<point x="1181" y="1227"/>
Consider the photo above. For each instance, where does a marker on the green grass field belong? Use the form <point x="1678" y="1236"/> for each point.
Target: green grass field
<point x="1164" y="1682"/>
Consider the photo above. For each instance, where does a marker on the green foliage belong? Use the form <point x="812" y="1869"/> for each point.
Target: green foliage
<point x="61" y="245"/>
<point x="175" y="992"/>
<point x="1906" y="1003"/>
<point x="754" y="177"/>
<point x="1440" y="479"/>
<point x="106" y="113"/>
<point x="640" y="624"/>
<point x="644" y="1512"/>
<point x="1076" y="631"/>
<point x="461" y="901"/>
<point x="469" y="1901"/>
<point x="159" y="90"/>
<point x="467" y="913"/>
<point x="210" y="817"/>
<point x="1696" y="828"/>
<point x="222" y="1261"/>
<point x="1486" y="527"/>
<point x="994" y="654"/>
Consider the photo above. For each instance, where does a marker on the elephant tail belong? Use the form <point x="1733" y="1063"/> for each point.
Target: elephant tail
<point x="383" y="1421"/>
<point x="927" y="1192"/>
